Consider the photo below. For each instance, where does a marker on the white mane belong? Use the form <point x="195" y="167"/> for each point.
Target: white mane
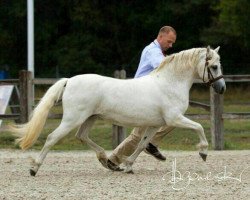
<point x="183" y="60"/>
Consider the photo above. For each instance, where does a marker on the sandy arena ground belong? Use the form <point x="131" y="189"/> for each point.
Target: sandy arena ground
<point x="78" y="175"/>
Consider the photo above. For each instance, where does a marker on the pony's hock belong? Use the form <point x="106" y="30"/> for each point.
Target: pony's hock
<point x="163" y="96"/>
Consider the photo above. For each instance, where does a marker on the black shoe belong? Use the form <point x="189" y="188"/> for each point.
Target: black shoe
<point x="112" y="166"/>
<point x="152" y="150"/>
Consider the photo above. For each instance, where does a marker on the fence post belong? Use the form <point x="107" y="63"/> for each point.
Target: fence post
<point x="14" y="101"/>
<point x="118" y="132"/>
<point x="217" y="126"/>
<point x="26" y="95"/>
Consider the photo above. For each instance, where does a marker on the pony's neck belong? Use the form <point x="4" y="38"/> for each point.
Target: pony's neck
<point x="180" y="66"/>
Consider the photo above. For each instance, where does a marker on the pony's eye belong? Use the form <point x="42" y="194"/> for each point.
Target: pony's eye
<point x="214" y="67"/>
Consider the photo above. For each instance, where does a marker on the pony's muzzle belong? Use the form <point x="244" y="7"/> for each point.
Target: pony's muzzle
<point x="219" y="86"/>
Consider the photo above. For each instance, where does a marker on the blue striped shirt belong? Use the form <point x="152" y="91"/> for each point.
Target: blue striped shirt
<point x="151" y="58"/>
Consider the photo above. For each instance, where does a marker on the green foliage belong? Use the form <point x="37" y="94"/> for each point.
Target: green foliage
<point x="234" y="19"/>
<point x="230" y="29"/>
<point x="13" y="34"/>
<point x="74" y="37"/>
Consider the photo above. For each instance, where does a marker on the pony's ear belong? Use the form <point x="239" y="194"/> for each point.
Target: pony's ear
<point x="217" y="49"/>
<point x="208" y="49"/>
<point x="208" y="52"/>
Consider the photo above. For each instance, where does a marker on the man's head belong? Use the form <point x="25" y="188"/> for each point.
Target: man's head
<point x="166" y="37"/>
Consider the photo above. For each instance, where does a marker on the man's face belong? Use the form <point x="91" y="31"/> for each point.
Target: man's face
<point x="167" y="40"/>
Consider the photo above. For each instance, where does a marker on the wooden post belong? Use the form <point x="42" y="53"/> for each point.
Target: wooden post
<point x="14" y="102"/>
<point x="118" y="132"/>
<point x="217" y="126"/>
<point x="26" y="95"/>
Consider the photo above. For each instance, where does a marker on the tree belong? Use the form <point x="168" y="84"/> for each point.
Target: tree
<point x="96" y="36"/>
<point x="13" y="43"/>
<point x="231" y="30"/>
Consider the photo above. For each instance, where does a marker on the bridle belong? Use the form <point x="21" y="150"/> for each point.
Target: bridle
<point x="211" y="79"/>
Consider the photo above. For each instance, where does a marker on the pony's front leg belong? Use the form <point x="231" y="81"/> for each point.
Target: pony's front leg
<point x="184" y="122"/>
<point x="147" y="136"/>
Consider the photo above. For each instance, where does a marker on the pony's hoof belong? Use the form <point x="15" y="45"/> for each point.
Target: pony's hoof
<point x="112" y="166"/>
<point x="203" y="156"/>
<point x="103" y="161"/>
<point x="129" y="172"/>
<point x="32" y="172"/>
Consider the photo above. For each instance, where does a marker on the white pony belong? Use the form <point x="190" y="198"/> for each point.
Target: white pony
<point x="158" y="99"/>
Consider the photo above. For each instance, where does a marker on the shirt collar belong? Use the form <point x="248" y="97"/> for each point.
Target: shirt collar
<point x="157" y="43"/>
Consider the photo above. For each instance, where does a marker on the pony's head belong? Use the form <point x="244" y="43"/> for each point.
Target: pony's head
<point x="209" y="69"/>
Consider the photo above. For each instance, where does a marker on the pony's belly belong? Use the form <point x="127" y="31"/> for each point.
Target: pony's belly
<point x="135" y="121"/>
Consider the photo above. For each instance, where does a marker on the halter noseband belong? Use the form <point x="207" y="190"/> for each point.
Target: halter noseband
<point x="211" y="79"/>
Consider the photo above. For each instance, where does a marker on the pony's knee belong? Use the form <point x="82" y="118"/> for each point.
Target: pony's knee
<point x="78" y="137"/>
<point x="84" y="137"/>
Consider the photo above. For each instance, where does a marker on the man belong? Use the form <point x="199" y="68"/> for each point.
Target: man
<point x="151" y="57"/>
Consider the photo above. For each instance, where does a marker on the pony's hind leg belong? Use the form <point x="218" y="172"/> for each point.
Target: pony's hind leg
<point x="62" y="130"/>
<point x="148" y="135"/>
<point x="82" y="134"/>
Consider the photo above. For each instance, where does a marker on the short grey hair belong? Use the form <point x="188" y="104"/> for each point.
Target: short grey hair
<point x="167" y="29"/>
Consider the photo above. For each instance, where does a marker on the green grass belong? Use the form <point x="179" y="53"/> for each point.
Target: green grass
<point x="236" y="137"/>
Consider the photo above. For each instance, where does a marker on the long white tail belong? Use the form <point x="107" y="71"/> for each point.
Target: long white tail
<point x="28" y="133"/>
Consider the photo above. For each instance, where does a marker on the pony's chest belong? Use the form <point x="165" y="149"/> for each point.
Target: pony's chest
<point x="175" y="104"/>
